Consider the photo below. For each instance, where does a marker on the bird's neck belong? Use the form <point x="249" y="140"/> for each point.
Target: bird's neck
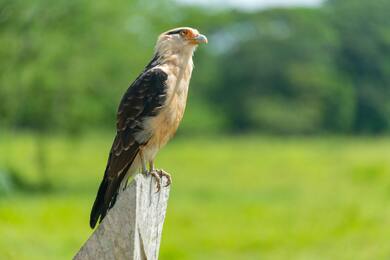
<point x="180" y="59"/>
<point x="180" y="65"/>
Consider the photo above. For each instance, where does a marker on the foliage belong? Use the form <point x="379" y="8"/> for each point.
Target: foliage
<point x="65" y="64"/>
<point x="364" y="55"/>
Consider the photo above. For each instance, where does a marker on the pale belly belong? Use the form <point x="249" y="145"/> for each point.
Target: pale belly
<point x="165" y="125"/>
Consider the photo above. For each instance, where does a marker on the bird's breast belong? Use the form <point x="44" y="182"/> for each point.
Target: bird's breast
<point x="165" y="124"/>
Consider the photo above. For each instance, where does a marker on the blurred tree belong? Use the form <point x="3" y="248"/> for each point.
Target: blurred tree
<point x="364" y="55"/>
<point x="65" y="64"/>
<point x="278" y="74"/>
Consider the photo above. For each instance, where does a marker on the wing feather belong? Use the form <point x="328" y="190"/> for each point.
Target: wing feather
<point x="143" y="99"/>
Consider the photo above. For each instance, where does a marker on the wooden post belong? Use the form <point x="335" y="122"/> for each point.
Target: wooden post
<point x="132" y="228"/>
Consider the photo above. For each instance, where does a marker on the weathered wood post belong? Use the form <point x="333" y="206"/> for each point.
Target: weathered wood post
<point x="132" y="228"/>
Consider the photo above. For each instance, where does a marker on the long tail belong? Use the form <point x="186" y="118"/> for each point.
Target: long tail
<point x="107" y="193"/>
<point x="99" y="208"/>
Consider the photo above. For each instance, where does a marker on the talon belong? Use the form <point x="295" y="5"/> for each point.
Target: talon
<point x="155" y="174"/>
<point x="163" y="173"/>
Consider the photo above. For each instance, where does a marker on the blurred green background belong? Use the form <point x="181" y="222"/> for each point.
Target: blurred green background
<point x="283" y="152"/>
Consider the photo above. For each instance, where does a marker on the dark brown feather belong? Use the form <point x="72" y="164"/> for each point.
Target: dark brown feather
<point x="143" y="99"/>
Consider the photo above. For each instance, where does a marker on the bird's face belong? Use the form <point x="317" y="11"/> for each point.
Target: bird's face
<point x="184" y="38"/>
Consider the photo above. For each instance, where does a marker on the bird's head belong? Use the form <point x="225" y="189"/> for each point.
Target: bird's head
<point x="179" y="40"/>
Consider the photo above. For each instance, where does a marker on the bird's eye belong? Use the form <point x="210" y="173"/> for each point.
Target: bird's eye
<point x="183" y="32"/>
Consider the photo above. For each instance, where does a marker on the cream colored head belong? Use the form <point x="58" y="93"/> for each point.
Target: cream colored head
<point x="179" y="40"/>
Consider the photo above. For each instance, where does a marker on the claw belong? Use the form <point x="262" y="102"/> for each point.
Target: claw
<point x="163" y="173"/>
<point x="156" y="175"/>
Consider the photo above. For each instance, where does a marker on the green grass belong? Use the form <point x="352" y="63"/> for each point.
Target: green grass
<point x="232" y="198"/>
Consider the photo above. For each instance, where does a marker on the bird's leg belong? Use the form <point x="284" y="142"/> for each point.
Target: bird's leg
<point x="155" y="174"/>
<point x="144" y="170"/>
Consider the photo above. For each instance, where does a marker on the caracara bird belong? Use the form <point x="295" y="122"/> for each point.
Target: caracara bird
<point x="148" y="115"/>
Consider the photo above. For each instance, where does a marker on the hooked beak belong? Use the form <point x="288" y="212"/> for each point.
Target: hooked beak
<point x="200" y="38"/>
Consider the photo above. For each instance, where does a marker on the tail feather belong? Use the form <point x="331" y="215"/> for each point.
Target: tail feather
<point x="105" y="198"/>
<point x="107" y="193"/>
<point x="98" y="205"/>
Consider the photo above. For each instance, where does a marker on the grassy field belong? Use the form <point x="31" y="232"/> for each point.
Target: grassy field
<point x="232" y="198"/>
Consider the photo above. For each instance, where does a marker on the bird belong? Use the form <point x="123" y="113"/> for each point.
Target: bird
<point x="148" y="116"/>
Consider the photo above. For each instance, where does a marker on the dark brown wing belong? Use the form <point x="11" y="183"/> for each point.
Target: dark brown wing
<point x="143" y="99"/>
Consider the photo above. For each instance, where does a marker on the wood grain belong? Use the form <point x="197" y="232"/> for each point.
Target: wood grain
<point x="132" y="228"/>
